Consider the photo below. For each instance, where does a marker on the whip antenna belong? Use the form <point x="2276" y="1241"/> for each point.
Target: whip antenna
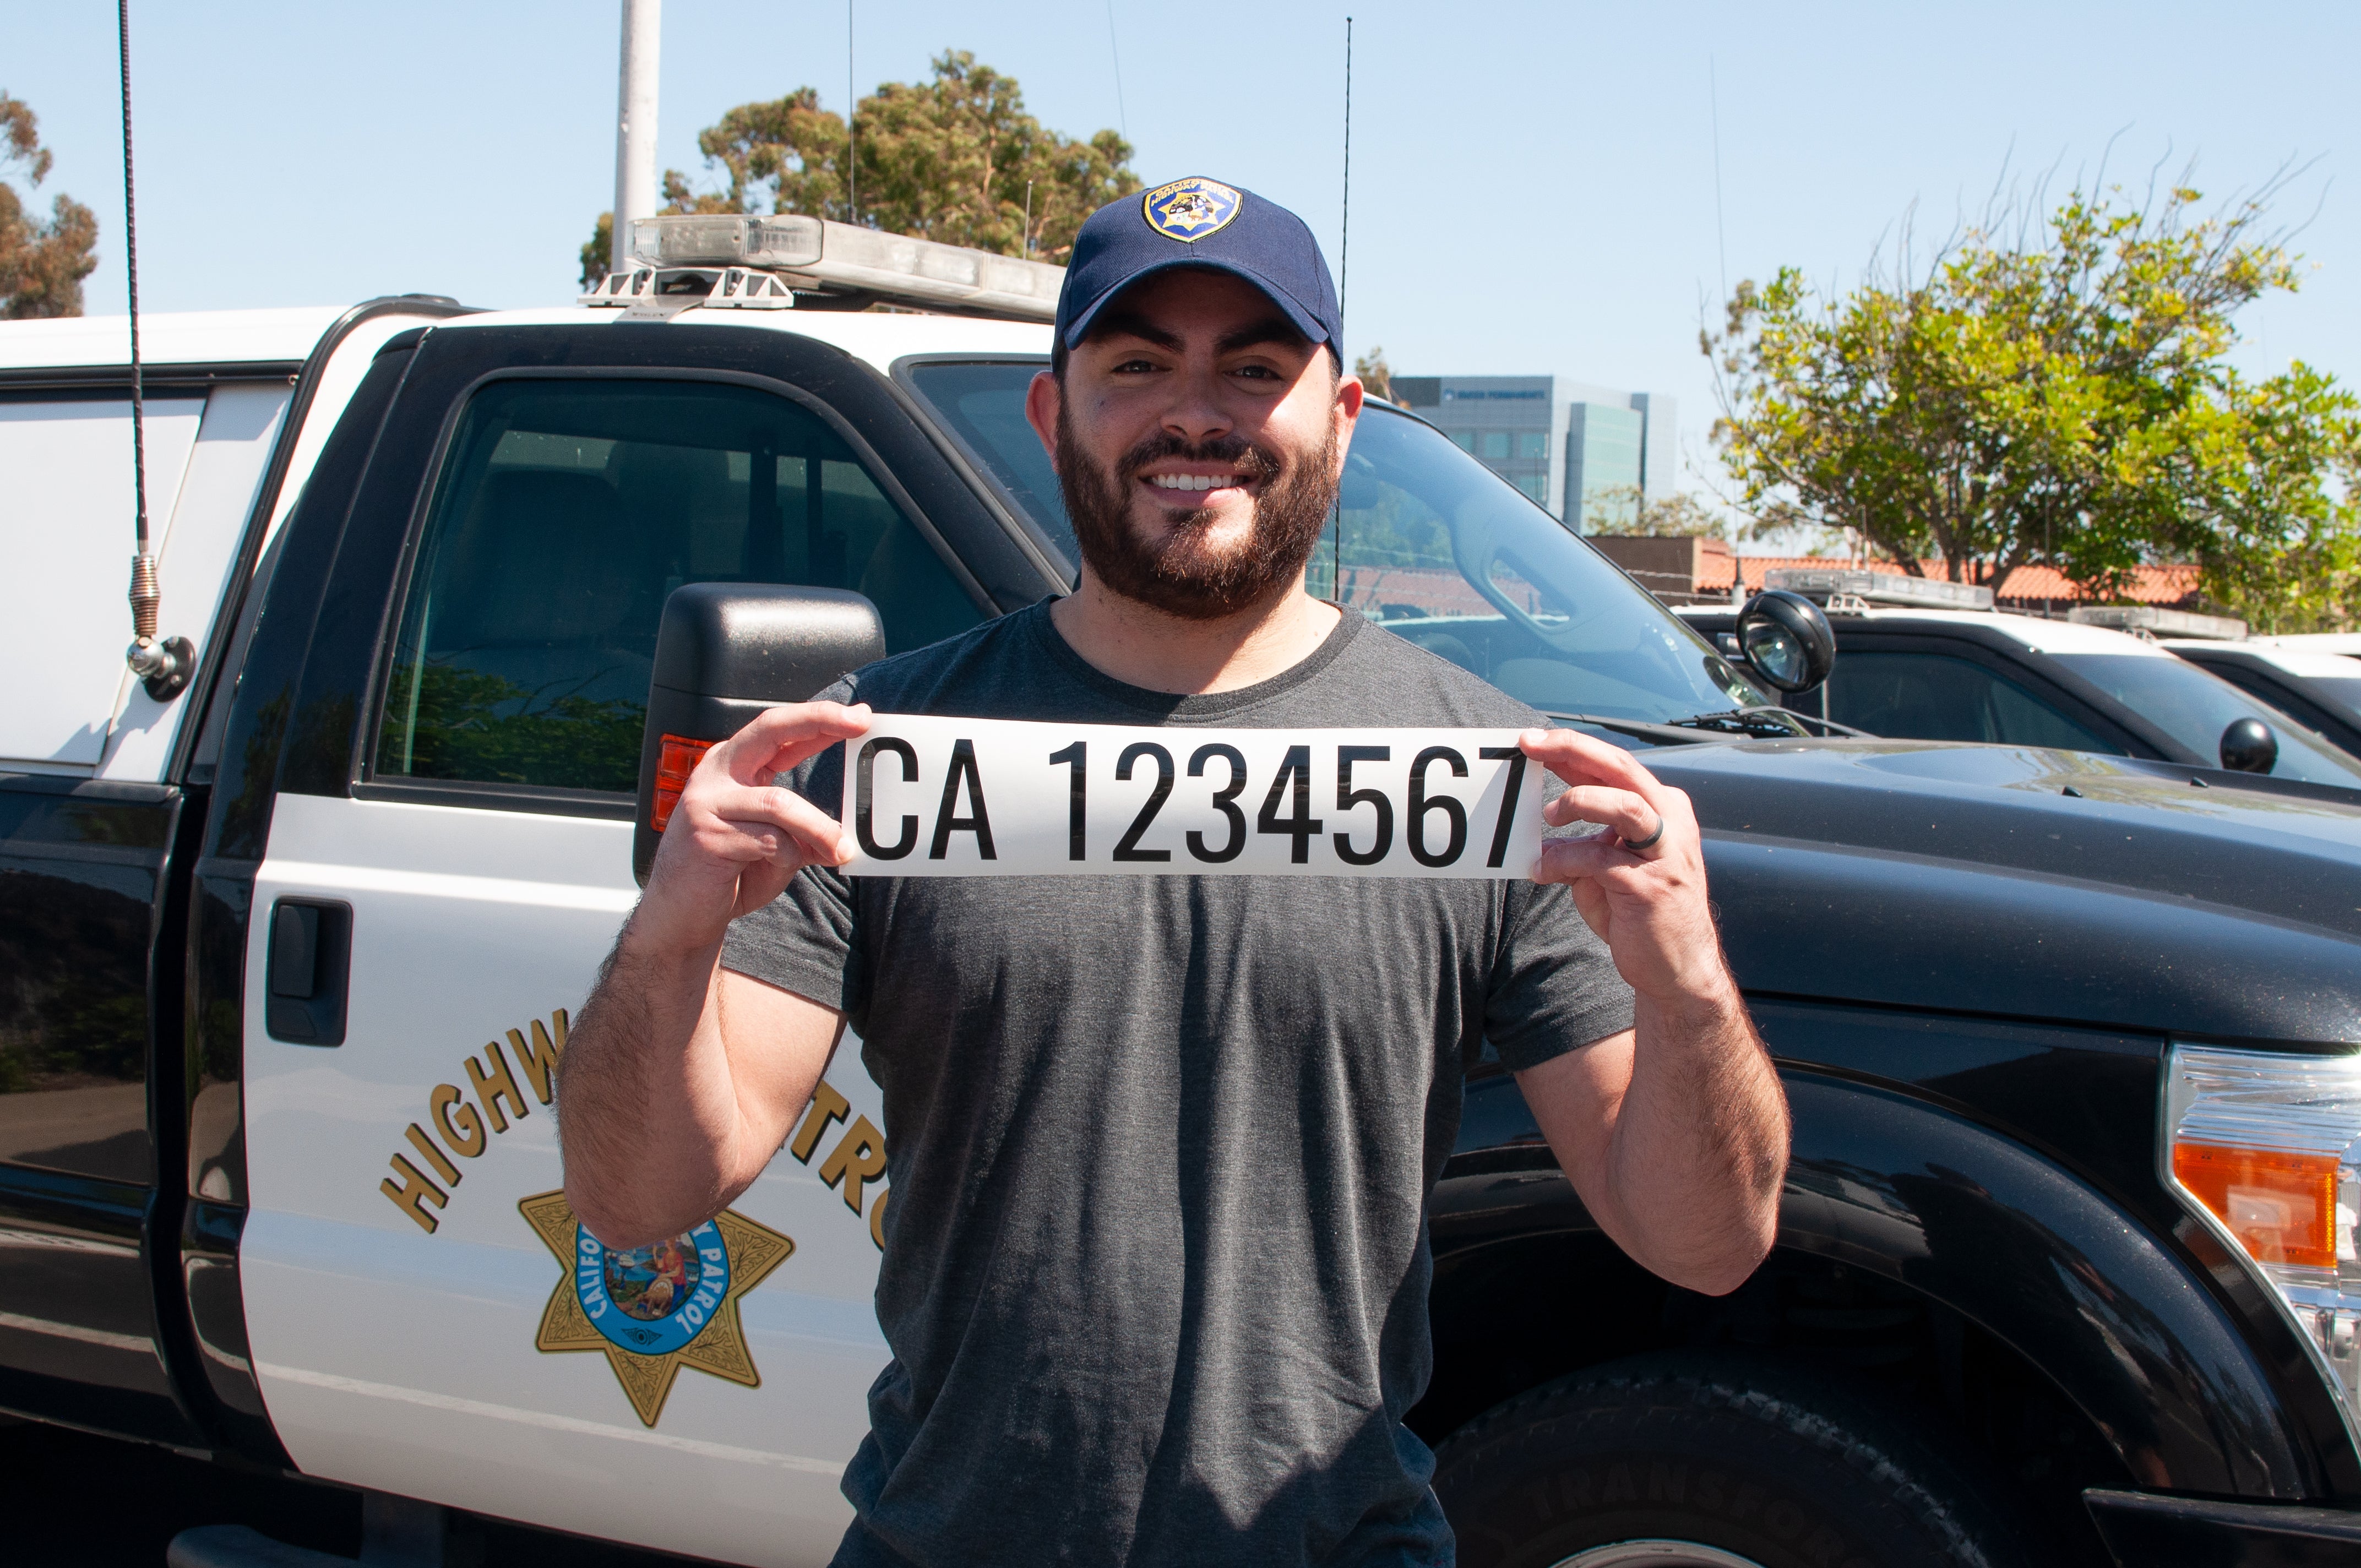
<point x="851" y="132"/>
<point x="1720" y="240"/>
<point x="1115" y="53"/>
<point x="1344" y="271"/>
<point x="162" y="667"/>
<point x="1345" y="242"/>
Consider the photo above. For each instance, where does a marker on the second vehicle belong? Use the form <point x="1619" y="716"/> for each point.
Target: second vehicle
<point x="1910" y="667"/>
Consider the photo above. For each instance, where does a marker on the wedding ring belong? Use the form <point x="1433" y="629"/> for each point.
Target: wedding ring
<point x="1650" y="841"/>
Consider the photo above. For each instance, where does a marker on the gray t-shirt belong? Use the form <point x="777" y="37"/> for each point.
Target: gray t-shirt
<point x="1160" y="1147"/>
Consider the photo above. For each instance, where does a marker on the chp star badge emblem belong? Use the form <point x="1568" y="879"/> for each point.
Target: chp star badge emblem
<point x="654" y="1309"/>
<point x="1189" y="210"/>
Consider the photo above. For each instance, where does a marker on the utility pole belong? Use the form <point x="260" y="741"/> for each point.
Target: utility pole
<point x="635" y="125"/>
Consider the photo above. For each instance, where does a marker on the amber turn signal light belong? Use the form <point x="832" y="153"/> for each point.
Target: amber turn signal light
<point x="677" y="761"/>
<point x="2280" y="1205"/>
<point x="2264" y="1148"/>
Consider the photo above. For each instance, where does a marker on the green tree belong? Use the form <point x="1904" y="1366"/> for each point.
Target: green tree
<point x="954" y="159"/>
<point x="41" y="264"/>
<point x="1624" y="508"/>
<point x="597" y="249"/>
<point x="1377" y="376"/>
<point x="2277" y="546"/>
<point x="783" y="157"/>
<point x="2051" y="387"/>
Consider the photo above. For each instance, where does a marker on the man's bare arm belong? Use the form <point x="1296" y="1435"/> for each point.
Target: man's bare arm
<point x="1675" y="1141"/>
<point x="1674" y="1133"/>
<point x="668" y="1114"/>
<point x="681" y="1078"/>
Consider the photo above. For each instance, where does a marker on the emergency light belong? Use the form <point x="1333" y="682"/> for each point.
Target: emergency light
<point x="2159" y="622"/>
<point x="1879" y="587"/>
<point x="745" y="261"/>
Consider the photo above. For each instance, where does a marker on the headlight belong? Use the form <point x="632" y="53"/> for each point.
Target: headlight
<point x="2266" y="1149"/>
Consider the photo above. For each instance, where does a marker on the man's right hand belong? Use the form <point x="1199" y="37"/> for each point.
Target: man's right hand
<point x="736" y="839"/>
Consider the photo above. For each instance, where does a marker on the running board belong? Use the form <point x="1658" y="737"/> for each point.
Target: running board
<point x="237" y="1546"/>
<point x="396" y="1532"/>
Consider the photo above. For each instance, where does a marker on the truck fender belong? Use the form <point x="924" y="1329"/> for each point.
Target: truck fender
<point x="2126" y="1330"/>
<point x="2068" y="1279"/>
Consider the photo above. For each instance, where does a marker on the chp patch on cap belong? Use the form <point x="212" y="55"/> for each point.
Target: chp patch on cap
<point x="1201" y="223"/>
<point x="1190" y="209"/>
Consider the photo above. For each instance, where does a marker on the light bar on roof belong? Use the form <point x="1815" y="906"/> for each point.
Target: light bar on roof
<point x="815" y="256"/>
<point x="733" y="239"/>
<point x="1878" y="587"/>
<point x="2159" y="622"/>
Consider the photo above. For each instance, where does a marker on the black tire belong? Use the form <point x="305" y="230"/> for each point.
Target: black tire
<point x="1760" y="1462"/>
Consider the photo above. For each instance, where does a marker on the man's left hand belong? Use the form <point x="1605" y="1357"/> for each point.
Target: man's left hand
<point x="1674" y="1134"/>
<point x="1641" y="883"/>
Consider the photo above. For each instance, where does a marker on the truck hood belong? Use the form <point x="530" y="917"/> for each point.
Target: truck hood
<point x="1968" y="878"/>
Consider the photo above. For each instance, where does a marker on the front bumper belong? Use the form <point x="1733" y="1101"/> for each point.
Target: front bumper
<point x="2147" y="1531"/>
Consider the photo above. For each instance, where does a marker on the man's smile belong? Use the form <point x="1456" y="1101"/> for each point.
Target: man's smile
<point x="1198" y="476"/>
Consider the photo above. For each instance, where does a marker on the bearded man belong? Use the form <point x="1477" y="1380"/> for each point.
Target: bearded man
<point x="1160" y="1147"/>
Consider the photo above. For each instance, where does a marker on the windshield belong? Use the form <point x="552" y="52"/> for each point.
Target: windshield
<point x="2343" y="689"/>
<point x="1430" y="544"/>
<point x="2194" y="707"/>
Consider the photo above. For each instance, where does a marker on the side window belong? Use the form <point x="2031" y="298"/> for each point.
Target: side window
<point x="67" y="463"/>
<point x="565" y="512"/>
<point x="1937" y="696"/>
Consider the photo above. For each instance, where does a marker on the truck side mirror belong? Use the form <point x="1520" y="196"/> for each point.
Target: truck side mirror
<point x="1787" y="639"/>
<point x="724" y="653"/>
<point x="2249" y="747"/>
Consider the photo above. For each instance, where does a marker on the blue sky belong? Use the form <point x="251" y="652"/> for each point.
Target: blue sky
<point x="1533" y="185"/>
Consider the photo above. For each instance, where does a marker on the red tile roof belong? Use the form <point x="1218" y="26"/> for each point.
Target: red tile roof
<point x="2168" y="585"/>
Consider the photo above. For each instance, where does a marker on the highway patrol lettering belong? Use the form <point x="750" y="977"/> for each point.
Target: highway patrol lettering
<point x="463" y="1124"/>
<point x="461" y="1121"/>
<point x="858" y="1158"/>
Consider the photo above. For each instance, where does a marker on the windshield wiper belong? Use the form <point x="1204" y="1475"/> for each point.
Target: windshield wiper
<point x="1776" y="723"/>
<point x="1640" y="729"/>
<point x="1766" y="723"/>
<point x="1828" y="726"/>
<point x="1755" y="723"/>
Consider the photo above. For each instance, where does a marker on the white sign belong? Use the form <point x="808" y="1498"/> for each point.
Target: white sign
<point x="995" y="798"/>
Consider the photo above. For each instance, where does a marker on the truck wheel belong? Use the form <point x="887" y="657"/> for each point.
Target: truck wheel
<point x="1686" y="1461"/>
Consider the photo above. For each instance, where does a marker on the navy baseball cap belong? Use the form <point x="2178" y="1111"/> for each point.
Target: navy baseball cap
<point x="1200" y="222"/>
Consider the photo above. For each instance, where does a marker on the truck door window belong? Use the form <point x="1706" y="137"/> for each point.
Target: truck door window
<point x="565" y="512"/>
<point x="1940" y="696"/>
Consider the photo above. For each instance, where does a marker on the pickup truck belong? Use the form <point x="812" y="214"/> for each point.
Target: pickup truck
<point x="2066" y="1269"/>
<point x="1934" y="673"/>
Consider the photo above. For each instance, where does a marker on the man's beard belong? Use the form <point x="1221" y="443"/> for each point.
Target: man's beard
<point x="1181" y="574"/>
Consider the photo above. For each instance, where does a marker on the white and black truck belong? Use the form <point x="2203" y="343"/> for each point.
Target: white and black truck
<point x="289" y="945"/>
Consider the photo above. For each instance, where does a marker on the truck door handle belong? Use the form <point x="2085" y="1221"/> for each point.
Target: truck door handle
<point x="306" y="973"/>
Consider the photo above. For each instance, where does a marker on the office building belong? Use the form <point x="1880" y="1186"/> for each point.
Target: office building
<point x="1580" y="450"/>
